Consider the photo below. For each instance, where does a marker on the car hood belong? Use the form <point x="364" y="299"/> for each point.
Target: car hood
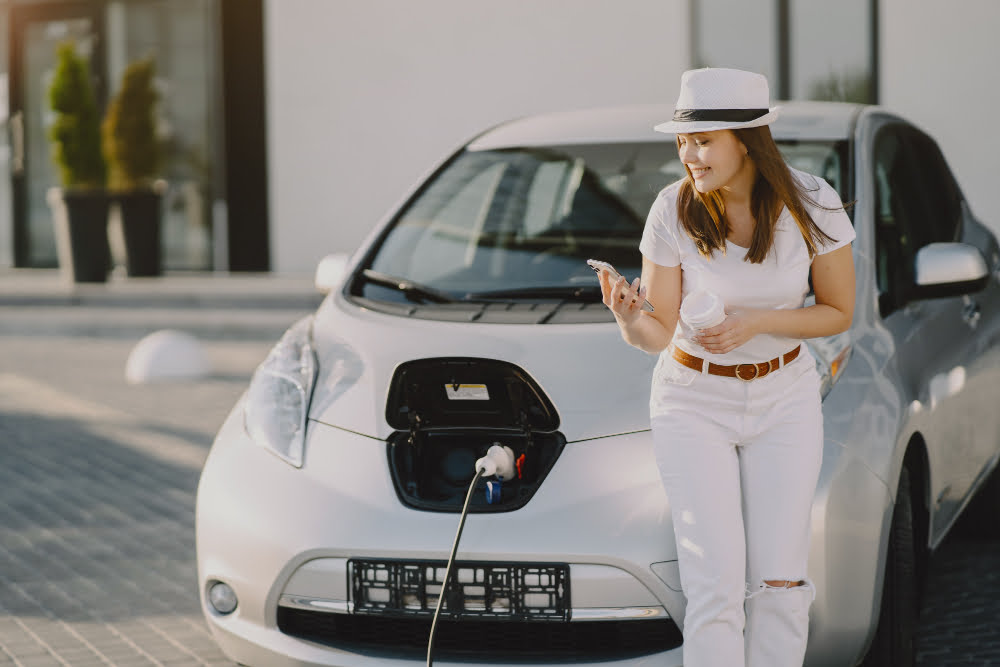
<point x="598" y="384"/>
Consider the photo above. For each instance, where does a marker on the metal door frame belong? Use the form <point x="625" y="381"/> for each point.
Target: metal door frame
<point x="21" y="15"/>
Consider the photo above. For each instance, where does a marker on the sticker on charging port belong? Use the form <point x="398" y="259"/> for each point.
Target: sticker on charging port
<point x="467" y="392"/>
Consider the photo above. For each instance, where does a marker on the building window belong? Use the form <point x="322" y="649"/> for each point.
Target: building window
<point x="807" y="49"/>
<point x="741" y="35"/>
<point x="181" y="37"/>
<point x="8" y="129"/>
<point x="830" y="54"/>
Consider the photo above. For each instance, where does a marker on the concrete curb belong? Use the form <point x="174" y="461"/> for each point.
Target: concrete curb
<point x="36" y="302"/>
<point x="45" y="288"/>
<point x="134" y="324"/>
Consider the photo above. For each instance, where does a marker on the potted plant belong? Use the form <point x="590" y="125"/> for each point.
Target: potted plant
<point x="132" y="150"/>
<point x="80" y="206"/>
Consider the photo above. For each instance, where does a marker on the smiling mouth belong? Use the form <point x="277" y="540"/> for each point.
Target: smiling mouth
<point x="700" y="171"/>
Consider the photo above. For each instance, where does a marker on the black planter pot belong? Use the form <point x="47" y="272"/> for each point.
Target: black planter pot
<point x="82" y="222"/>
<point x="141" y="223"/>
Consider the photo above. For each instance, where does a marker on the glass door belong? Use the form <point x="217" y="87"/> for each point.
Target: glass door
<point x="6" y="152"/>
<point x="36" y="31"/>
<point x="181" y="38"/>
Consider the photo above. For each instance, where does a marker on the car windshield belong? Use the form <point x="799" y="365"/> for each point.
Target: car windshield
<point x="520" y="223"/>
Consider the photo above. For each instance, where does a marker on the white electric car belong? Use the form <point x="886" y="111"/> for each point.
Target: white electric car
<point x="331" y="497"/>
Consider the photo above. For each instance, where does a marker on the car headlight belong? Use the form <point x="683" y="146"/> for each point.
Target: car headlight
<point x="277" y="402"/>
<point x="831" y="354"/>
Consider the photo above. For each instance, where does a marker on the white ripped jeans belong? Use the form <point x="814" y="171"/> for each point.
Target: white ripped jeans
<point x="739" y="463"/>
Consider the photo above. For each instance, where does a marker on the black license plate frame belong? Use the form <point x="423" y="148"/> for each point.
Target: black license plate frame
<point x="477" y="589"/>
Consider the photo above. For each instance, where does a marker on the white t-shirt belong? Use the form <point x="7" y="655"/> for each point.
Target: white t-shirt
<point x="781" y="281"/>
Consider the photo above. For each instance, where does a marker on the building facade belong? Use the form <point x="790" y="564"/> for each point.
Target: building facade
<point x="365" y="96"/>
<point x="208" y="56"/>
<point x="293" y="126"/>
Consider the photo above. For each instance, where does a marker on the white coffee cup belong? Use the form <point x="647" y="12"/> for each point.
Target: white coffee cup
<point x="702" y="310"/>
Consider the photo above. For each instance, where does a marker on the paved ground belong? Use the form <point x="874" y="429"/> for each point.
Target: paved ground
<point x="97" y="488"/>
<point x="959" y="619"/>
<point x="98" y="479"/>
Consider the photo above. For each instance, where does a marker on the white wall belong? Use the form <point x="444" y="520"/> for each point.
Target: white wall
<point x="364" y="96"/>
<point x="940" y="69"/>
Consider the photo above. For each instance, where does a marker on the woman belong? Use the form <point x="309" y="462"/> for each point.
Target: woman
<point x="735" y="407"/>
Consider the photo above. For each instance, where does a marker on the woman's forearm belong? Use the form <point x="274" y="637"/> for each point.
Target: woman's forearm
<point x="743" y="324"/>
<point x="647" y="333"/>
<point x="809" y="322"/>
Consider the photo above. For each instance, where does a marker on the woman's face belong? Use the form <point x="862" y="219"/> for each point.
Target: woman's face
<point x="715" y="159"/>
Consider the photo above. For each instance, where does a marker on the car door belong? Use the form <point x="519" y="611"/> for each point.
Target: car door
<point x="918" y="203"/>
<point x="979" y="335"/>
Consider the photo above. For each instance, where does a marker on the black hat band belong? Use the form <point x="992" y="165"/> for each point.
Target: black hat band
<point x="724" y="115"/>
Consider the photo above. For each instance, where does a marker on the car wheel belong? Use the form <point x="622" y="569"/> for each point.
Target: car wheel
<point x="893" y="642"/>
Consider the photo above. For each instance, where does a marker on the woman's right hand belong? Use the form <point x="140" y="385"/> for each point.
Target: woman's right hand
<point x="624" y="300"/>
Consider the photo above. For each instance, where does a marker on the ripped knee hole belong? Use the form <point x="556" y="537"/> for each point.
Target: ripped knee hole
<point x="779" y="585"/>
<point x="783" y="583"/>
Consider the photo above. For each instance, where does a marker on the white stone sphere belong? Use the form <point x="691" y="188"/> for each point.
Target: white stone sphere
<point x="166" y="355"/>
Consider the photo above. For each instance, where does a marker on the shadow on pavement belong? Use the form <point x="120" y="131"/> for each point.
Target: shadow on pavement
<point x="90" y="528"/>
<point x="957" y="623"/>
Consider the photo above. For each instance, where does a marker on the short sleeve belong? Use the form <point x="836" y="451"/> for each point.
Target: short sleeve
<point x="659" y="243"/>
<point x="835" y="223"/>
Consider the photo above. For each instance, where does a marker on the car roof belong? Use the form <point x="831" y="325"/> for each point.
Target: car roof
<point x="826" y="121"/>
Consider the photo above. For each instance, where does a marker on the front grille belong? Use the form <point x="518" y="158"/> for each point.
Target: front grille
<point x="482" y="639"/>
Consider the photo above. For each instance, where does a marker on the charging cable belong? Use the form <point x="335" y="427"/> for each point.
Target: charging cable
<point x="499" y="461"/>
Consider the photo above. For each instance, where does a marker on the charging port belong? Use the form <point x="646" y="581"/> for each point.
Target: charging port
<point x="448" y="413"/>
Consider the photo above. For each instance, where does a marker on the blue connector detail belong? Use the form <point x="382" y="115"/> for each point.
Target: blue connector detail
<point x="493" y="492"/>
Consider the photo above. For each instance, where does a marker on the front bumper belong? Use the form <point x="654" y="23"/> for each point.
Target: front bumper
<point x="266" y="529"/>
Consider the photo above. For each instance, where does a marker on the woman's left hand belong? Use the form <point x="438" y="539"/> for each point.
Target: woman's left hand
<point x="738" y="327"/>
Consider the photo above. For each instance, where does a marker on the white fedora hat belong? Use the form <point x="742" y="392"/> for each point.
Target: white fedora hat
<point x="720" y="99"/>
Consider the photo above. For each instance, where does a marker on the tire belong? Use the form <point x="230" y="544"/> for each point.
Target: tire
<point x="892" y="645"/>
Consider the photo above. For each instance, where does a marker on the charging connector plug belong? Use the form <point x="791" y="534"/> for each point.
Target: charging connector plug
<point x="499" y="461"/>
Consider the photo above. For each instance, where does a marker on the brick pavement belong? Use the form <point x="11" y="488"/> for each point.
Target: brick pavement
<point x="961" y="608"/>
<point x="96" y="550"/>
<point x="97" y="487"/>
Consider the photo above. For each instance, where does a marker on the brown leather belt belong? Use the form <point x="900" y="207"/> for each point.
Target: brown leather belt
<point x="745" y="372"/>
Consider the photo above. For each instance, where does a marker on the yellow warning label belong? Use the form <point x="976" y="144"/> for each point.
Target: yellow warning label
<point x="467" y="392"/>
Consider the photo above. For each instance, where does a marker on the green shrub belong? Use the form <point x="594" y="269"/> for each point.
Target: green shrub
<point x="75" y="133"/>
<point x="129" y="130"/>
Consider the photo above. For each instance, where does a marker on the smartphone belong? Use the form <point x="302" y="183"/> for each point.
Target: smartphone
<point x="598" y="266"/>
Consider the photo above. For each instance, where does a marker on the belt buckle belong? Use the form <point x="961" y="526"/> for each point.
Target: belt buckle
<point x="756" y="372"/>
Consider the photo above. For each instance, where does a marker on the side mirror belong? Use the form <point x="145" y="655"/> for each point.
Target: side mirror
<point x="949" y="269"/>
<point x="330" y="272"/>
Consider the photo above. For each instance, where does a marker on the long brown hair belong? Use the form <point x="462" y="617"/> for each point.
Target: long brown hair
<point x="703" y="216"/>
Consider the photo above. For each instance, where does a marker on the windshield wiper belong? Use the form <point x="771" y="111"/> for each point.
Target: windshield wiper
<point x="586" y="293"/>
<point x="407" y="287"/>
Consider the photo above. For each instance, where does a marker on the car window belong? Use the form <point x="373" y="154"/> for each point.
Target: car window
<point x="917" y="202"/>
<point x="447" y="223"/>
<point x="895" y="185"/>
<point x="827" y="159"/>
<point x="509" y="219"/>
<point x="522" y="218"/>
<point x="941" y="197"/>
<point x="819" y="158"/>
<point x="543" y="196"/>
